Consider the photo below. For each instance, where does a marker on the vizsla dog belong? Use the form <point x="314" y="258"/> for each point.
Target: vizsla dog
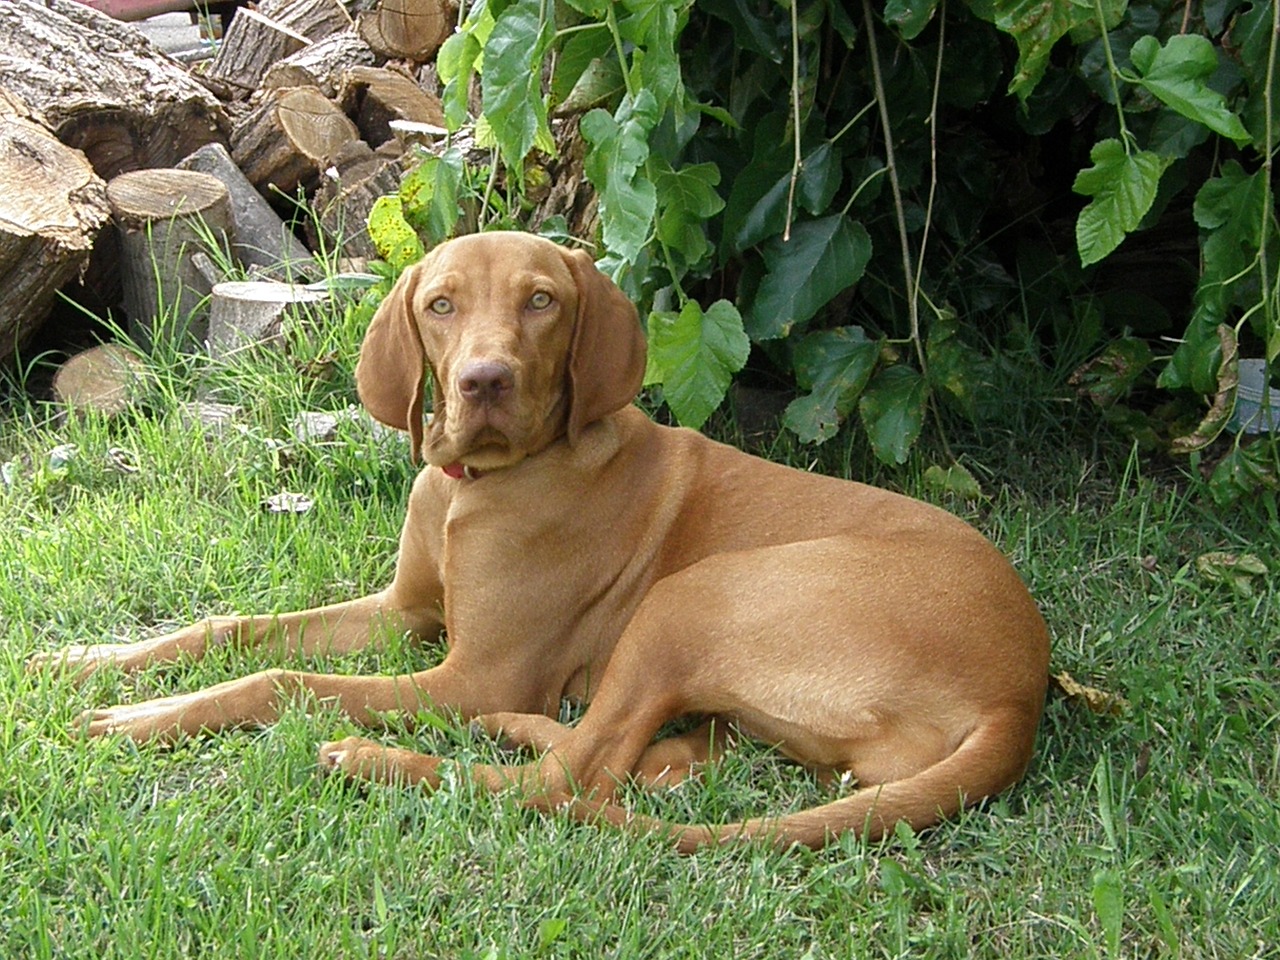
<point x="569" y="547"/>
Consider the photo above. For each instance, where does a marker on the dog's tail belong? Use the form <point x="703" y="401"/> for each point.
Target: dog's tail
<point x="990" y="759"/>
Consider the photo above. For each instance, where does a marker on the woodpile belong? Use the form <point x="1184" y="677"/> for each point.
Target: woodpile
<point x="135" y="184"/>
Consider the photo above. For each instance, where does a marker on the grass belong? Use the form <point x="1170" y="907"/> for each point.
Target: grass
<point x="1149" y="834"/>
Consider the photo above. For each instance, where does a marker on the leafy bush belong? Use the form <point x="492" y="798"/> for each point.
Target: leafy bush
<point x="865" y="202"/>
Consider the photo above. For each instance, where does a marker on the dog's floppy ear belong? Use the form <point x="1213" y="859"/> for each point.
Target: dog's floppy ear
<point x="392" y="369"/>
<point x="607" y="353"/>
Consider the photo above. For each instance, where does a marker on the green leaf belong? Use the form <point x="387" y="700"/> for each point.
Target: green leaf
<point x="839" y="18"/>
<point x="892" y="410"/>
<point x="456" y="64"/>
<point x="1236" y="570"/>
<point x="1108" y="903"/>
<point x="835" y="366"/>
<point x="687" y="199"/>
<point x="1233" y="209"/>
<point x="1195" y="363"/>
<point x="909" y="16"/>
<point x="429" y="194"/>
<point x="620" y="146"/>
<point x="758" y="202"/>
<point x="1243" y="471"/>
<point x="1178" y="75"/>
<point x="586" y="74"/>
<point x="653" y="27"/>
<point x="1224" y="401"/>
<point x="395" y="241"/>
<point x="960" y="372"/>
<point x="1123" y="187"/>
<point x="694" y="354"/>
<point x="751" y="31"/>
<point x="549" y="931"/>
<point x="594" y="9"/>
<point x="1110" y="376"/>
<point x="955" y="480"/>
<point x="822" y="258"/>
<point x="511" y="81"/>
<point x="1251" y="38"/>
<point x="1035" y="25"/>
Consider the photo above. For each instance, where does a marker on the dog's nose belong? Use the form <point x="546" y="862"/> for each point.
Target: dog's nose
<point x="485" y="381"/>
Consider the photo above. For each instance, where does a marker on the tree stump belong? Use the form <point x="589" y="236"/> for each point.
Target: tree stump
<point x="407" y="29"/>
<point x="166" y="218"/>
<point x="262" y="239"/>
<point x="104" y="88"/>
<point x="246" y="313"/>
<point x="374" y="96"/>
<point x="52" y="207"/>
<point x="106" y="379"/>
<point x="259" y="38"/>
<point x="286" y="140"/>
<point x="320" y="65"/>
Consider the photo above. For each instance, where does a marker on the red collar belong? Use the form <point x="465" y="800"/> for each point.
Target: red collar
<point x="457" y="471"/>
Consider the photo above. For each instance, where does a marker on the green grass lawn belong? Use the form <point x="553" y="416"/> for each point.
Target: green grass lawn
<point x="1149" y="834"/>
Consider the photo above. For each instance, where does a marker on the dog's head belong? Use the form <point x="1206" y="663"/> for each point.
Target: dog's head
<point x="525" y="342"/>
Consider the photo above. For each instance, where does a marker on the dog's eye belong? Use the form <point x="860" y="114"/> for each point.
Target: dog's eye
<point x="441" y="306"/>
<point x="540" y="300"/>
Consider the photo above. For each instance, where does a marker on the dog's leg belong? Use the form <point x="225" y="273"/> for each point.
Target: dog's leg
<point x="674" y="759"/>
<point x="259" y="698"/>
<point x="338" y="628"/>
<point x="514" y="730"/>
<point x="665" y="763"/>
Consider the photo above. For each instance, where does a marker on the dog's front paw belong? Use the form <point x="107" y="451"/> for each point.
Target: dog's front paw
<point x="153" y="721"/>
<point x="363" y="759"/>
<point x="78" y="661"/>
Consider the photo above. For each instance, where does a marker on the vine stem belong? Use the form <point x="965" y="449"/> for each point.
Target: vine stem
<point x="933" y="150"/>
<point x="798" y="161"/>
<point x="908" y="271"/>
<point x="1112" y="73"/>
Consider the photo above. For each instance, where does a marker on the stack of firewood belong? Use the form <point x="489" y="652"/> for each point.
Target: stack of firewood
<point x="105" y="139"/>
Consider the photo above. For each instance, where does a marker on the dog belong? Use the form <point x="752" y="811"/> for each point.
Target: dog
<point x="569" y="547"/>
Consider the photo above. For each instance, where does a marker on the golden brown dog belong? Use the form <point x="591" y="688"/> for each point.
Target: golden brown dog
<point x="569" y="547"/>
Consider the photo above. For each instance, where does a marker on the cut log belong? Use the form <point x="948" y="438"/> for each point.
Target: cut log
<point x="51" y="210"/>
<point x="246" y="313"/>
<point x="320" y="65"/>
<point x="347" y="195"/>
<point x="106" y="379"/>
<point x="374" y="96"/>
<point x="262" y="239"/>
<point x="259" y="38"/>
<point x="288" y="138"/>
<point x="407" y="29"/>
<point x="103" y="87"/>
<point x="168" y="220"/>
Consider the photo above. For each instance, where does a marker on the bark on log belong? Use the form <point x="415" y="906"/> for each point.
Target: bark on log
<point x="345" y="198"/>
<point x="320" y="65"/>
<point x="167" y="220"/>
<point x="288" y="138"/>
<point x="570" y="195"/>
<point x="374" y="96"/>
<point x="51" y="210"/>
<point x="259" y="38"/>
<point x="245" y="313"/>
<point x="103" y="87"/>
<point x="262" y="239"/>
<point x="407" y="29"/>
